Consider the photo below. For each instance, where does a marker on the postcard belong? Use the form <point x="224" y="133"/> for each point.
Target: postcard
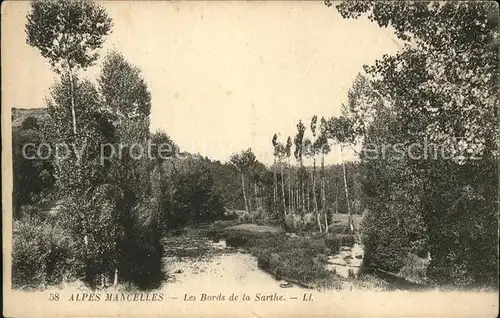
<point x="250" y="158"/>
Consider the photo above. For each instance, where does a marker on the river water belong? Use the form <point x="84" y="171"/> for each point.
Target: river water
<point x="209" y="279"/>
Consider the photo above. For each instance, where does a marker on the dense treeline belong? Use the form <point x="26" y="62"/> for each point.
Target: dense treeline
<point x="111" y="206"/>
<point x="434" y="191"/>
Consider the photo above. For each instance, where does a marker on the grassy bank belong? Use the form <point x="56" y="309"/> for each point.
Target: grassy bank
<point x="298" y="259"/>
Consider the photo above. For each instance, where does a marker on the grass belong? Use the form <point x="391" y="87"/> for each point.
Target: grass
<point x="297" y="259"/>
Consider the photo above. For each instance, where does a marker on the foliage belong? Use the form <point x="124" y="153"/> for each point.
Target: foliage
<point x="31" y="178"/>
<point x="335" y="241"/>
<point x="67" y="32"/>
<point x="95" y="224"/>
<point x="187" y="193"/>
<point x="80" y="165"/>
<point x="414" y="268"/>
<point x="124" y="91"/>
<point x="42" y="253"/>
<point x="141" y="255"/>
<point x="298" y="259"/>
<point x="440" y="89"/>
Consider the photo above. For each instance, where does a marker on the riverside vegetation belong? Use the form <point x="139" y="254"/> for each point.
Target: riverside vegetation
<point x="433" y="220"/>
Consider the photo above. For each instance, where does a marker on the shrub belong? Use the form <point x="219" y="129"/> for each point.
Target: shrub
<point x="335" y="241"/>
<point x="371" y="283"/>
<point x="32" y="211"/>
<point x="414" y="268"/>
<point x="188" y="195"/>
<point x="141" y="251"/>
<point x="42" y="253"/>
<point x="310" y="222"/>
<point x="95" y="222"/>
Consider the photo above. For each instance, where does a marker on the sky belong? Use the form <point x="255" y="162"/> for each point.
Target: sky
<point x="223" y="76"/>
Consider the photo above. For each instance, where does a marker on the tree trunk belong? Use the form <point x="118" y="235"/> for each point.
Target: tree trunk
<point x="323" y="195"/>
<point x="297" y="199"/>
<point x="115" y="280"/>
<point x="351" y="226"/>
<point x="289" y="187"/>
<point x="283" y="189"/>
<point x="275" y="185"/>
<point x="315" y="201"/>
<point x="304" y="200"/>
<point x="243" y="188"/>
<point x="308" y="199"/>
<point x="255" y="194"/>
<point x="325" y="210"/>
<point x="336" y="198"/>
<point x="72" y="96"/>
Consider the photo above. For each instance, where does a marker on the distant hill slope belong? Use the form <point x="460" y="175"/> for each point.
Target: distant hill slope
<point x="20" y="114"/>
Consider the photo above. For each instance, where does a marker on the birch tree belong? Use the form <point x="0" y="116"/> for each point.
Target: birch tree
<point x="242" y="162"/>
<point x="340" y="130"/>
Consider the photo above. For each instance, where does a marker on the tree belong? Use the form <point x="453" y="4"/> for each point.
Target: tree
<point x="288" y="152"/>
<point x="81" y="170"/>
<point x="298" y="153"/>
<point x="274" y="142"/>
<point x="68" y="34"/>
<point x="280" y="152"/>
<point x="324" y="148"/>
<point x="340" y="130"/>
<point x="242" y="162"/>
<point x="32" y="179"/>
<point x="440" y="88"/>
<point x="312" y="151"/>
<point x="126" y="101"/>
<point x="81" y="175"/>
<point x="124" y="91"/>
<point x="190" y="195"/>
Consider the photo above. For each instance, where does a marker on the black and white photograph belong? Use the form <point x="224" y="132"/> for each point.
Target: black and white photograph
<point x="250" y="158"/>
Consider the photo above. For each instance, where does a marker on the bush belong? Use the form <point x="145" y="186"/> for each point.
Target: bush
<point x="141" y="251"/>
<point x="42" y="253"/>
<point x="94" y="221"/>
<point x="310" y="222"/>
<point x="32" y="211"/>
<point x="335" y="241"/>
<point x="188" y="195"/>
<point x="414" y="269"/>
<point x="371" y="283"/>
<point x="294" y="223"/>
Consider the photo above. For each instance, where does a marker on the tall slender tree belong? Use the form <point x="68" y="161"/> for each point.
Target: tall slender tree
<point x="243" y="162"/>
<point x="323" y="147"/>
<point x="275" y="178"/>
<point x="68" y="34"/>
<point x="313" y="153"/>
<point x="298" y="153"/>
<point x="288" y="152"/>
<point x="280" y="152"/>
<point x="340" y="129"/>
